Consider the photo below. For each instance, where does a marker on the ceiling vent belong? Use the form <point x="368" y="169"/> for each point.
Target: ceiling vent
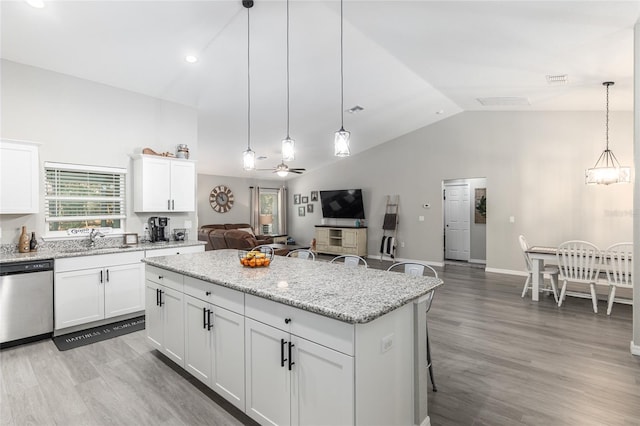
<point x="558" y="79"/>
<point x="504" y="101"/>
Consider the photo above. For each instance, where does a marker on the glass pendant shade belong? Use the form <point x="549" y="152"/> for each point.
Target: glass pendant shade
<point x="341" y="143"/>
<point x="249" y="159"/>
<point x="288" y="149"/>
<point x="607" y="171"/>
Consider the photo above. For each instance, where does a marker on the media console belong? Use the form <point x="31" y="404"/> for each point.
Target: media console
<point x="341" y="240"/>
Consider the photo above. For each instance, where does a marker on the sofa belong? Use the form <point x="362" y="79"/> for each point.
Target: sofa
<point x="215" y="235"/>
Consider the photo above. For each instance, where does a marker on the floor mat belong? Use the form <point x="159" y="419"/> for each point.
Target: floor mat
<point x="98" y="334"/>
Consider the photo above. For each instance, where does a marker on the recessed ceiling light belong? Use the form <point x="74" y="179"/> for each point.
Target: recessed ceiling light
<point x="557" y="79"/>
<point x="191" y="59"/>
<point x="38" y="4"/>
<point x="355" y="109"/>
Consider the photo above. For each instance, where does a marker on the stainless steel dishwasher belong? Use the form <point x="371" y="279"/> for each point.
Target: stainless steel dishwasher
<point x="26" y="301"/>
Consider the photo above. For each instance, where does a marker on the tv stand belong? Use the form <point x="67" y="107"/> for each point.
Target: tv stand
<point x="341" y="240"/>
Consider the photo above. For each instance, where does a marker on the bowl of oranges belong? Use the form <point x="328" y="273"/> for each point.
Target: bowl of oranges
<point x="255" y="258"/>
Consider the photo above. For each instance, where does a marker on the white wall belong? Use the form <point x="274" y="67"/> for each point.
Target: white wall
<point x="240" y="212"/>
<point x="79" y="121"/>
<point x="534" y="164"/>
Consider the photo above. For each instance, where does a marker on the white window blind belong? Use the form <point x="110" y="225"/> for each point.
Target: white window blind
<point x="80" y="196"/>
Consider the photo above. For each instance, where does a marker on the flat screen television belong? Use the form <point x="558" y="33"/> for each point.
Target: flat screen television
<point x="342" y="204"/>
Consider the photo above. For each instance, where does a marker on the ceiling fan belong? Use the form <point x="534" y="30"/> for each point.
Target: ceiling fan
<point x="283" y="170"/>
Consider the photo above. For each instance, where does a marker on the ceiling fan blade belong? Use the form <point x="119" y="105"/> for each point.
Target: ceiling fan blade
<point x="296" y="171"/>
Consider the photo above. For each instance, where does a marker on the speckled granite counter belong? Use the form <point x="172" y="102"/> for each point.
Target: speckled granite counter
<point x="353" y="295"/>
<point x="74" y="250"/>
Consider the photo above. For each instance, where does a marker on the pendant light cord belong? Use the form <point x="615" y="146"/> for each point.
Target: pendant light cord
<point x="341" y="70"/>
<point x="288" y="70"/>
<point x="607" y="122"/>
<point x="248" y="85"/>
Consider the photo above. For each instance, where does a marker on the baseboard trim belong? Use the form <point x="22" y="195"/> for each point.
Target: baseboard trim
<point x="376" y="258"/>
<point x="426" y="422"/>
<point x="506" y="271"/>
<point x="481" y="261"/>
<point x="635" y="349"/>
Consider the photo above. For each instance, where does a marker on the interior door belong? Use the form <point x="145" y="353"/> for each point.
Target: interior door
<point x="457" y="209"/>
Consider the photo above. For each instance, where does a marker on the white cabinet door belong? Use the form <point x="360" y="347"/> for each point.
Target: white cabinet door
<point x="322" y="236"/>
<point x="19" y="178"/>
<point x="173" y="324"/>
<point x="349" y="238"/>
<point x="268" y="386"/>
<point x="79" y="297"/>
<point x="321" y="378"/>
<point x="228" y="355"/>
<point x="123" y="289"/>
<point x="153" y="315"/>
<point x="183" y="186"/>
<point x="197" y="339"/>
<point x="152" y="192"/>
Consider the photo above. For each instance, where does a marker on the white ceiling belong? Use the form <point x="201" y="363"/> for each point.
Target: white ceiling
<point x="408" y="63"/>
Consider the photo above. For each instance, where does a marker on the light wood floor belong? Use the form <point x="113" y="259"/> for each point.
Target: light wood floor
<point x="498" y="360"/>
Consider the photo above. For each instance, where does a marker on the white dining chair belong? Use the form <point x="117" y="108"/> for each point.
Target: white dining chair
<point x="618" y="261"/>
<point x="579" y="262"/>
<point x="550" y="271"/>
<point x="350" y="260"/>
<point x="302" y="254"/>
<point x="418" y="269"/>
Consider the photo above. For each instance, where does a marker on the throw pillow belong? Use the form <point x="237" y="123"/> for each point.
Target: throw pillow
<point x="249" y="230"/>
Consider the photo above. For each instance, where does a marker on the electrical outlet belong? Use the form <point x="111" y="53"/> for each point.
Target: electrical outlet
<point x="401" y="243"/>
<point x="420" y="218"/>
<point x="187" y="224"/>
<point x="512" y="219"/>
<point x="386" y="343"/>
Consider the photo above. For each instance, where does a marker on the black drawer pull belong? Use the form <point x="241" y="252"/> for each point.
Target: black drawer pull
<point x="204" y="317"/>
<point x="282" y="358"/>
<point x="161" y="302"/>
<point x="210" y="324"/>
<point x="208" y="293"/>
<point x="287" y="320"/>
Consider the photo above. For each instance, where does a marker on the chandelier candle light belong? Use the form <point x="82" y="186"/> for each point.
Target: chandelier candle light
<point x="607" y="169"/>
<point x="248" y="157"/>
<point x="341" y="141"/>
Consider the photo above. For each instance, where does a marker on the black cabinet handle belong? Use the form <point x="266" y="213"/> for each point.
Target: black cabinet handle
<point x="204" y="317"/>
<point x="210" y="325"/>
<point x="101" y="281"/>
<point x="282" y="358"/>
<point x="173" y="204"/>
<point x="287" y="320"/>
<point x="168" y="204"/>
<point x="207" y="293"/>
<point x="161" y="302"/>
<point x="291" y="363"/>
<point x="107" y="275"/>
<point x="157" y="297"/>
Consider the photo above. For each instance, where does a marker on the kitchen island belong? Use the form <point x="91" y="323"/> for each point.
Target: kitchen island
<point x="298" y="342"/>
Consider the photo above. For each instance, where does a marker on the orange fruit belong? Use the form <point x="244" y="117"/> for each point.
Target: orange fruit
<point x="266" y="262"/>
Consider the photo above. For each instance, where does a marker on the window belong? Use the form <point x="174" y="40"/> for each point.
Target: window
<point x="79" y="196"/>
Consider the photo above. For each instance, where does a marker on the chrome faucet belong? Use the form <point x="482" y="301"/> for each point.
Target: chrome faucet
<point x="93" y="235"/>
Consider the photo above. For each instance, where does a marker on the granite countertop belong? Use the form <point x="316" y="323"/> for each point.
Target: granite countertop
<point x="76" y="248"/>
<point x="353" y="295"/>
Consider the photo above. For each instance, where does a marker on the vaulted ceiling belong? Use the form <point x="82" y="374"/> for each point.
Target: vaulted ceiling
<point x="407" y="63"/>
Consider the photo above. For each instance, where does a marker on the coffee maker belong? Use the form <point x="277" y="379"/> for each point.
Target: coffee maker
<point x="158" y="228"/>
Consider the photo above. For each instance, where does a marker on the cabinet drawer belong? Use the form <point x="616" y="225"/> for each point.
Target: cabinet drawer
<point x="215" y="294"/>
<point x="166" y="278"/>
<point x="97" y="261"/>
<point x="325" y="331"/>
<point x="173" y="250"/>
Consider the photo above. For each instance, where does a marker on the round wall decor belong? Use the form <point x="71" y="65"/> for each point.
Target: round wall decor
<point x="221" y="199"/>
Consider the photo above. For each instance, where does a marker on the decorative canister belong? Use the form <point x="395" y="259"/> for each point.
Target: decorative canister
<point x="183" y="151"/>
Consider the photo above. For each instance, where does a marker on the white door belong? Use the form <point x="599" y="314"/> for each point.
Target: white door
<point x="197" y="339"/>
<point x="228" y="355"/>
<point x="123" y="289"/>
<point x="457" y="208"/>
<point x="321" y="378"/>
<point x="153" y="315"/>
<point x="183" y="186"/>
<point x="268" y="386"/>
<point x="79" y="297"/>
<point x="173" y="324"/>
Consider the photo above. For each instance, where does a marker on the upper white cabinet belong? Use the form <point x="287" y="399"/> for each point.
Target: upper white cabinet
<point x="163" y="184"/>
<point x="19" y="177"/>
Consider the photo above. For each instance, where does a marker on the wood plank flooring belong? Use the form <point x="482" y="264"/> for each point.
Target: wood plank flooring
<point x="498" y="360"/>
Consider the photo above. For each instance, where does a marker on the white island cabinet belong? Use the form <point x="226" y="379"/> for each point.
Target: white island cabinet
<point x="298" y="342"/>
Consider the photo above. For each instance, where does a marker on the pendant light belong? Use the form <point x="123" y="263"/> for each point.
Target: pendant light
<point x="607" y="169"/>
<point x="248" y="157"/>
<point x="288" y="144"/>
<point x="341" y="141"/>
